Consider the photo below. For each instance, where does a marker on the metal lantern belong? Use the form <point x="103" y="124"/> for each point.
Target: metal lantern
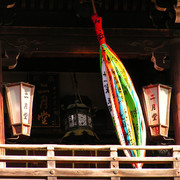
<point x="78" y="125"/>
<point x="156" y="102"/>
<point x="78" y="116"/>
<point x="19" y="98"/>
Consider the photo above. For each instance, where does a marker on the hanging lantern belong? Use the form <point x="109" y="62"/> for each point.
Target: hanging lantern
<point x="19" y="98"/>
<point x="77" y="120"/>
<point x="156" y="102"/>
<point x="78" y="116"/>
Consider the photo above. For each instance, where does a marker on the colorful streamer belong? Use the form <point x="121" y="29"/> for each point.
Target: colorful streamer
<point x="121" y="97"/>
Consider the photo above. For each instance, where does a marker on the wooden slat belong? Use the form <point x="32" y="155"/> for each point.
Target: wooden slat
<point x="51" y="164"/>
<point x="19" y="178"/>
<point x="176" y="163"/>
<point x="87" y="159"/>
<point x="50" y="156"/>
<point x="82" y="172"/>
<point x="114" y="163"/>
<point x="84" y="147"/>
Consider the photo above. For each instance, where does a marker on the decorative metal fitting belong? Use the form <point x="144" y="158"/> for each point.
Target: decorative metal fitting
<point x="115" y="172"/>
<point x="51" y="171"/>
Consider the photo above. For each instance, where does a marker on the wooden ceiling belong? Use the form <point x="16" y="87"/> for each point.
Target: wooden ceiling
<point x="77" y="13"/>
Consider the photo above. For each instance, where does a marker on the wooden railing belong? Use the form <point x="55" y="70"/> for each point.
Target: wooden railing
<point x="87" y="161"/>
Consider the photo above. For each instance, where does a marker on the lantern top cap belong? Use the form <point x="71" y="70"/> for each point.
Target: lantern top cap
<point x="77" y="105"/>
<point x="19" y="83"/>
<point x="157" y="85"/>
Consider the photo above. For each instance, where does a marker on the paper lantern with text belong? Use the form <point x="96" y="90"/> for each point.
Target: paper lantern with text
<point x="156" y="102"/>
<point x="19" y="98"/>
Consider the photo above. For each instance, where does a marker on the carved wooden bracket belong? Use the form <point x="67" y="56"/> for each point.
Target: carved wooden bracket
<point x="82" y="42"/>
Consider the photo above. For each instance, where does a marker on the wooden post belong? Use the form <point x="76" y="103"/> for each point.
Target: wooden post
<point x="175" y="81"/>
<point x="51" y="164"/>
<point x="176" y="162"/>
<point x="114" y="163"/>
<point x="2" y="132"/>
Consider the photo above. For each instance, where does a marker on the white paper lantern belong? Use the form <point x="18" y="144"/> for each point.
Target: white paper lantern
<point x="19" y="97"/>
<point x="156" y="102"/>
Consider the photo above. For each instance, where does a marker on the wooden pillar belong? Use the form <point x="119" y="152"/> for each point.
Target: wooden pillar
<point x="51" y="164"/>
<point x="176" y="162"/>
<point x="175" y="82"/>
<point x="114" y="163"/>
<point x="2" y="132"/>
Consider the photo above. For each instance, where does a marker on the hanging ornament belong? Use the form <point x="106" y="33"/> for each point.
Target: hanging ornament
<point x="121" y="97"/>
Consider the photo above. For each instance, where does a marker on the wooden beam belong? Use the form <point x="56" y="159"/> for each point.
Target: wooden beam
<point x="175" y="81"/>
<point x="52" y="42"/>
<point x="2" y="133"/>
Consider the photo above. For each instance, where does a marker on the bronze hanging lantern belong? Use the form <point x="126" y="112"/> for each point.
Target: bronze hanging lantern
<point x="78" y="125"/>
<point x="78" y="116"/>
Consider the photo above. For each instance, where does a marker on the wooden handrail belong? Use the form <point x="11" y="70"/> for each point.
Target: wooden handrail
<point x="84" y="147"/>
<point x="53" y="161"/>
<point x="89" y="159"/>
